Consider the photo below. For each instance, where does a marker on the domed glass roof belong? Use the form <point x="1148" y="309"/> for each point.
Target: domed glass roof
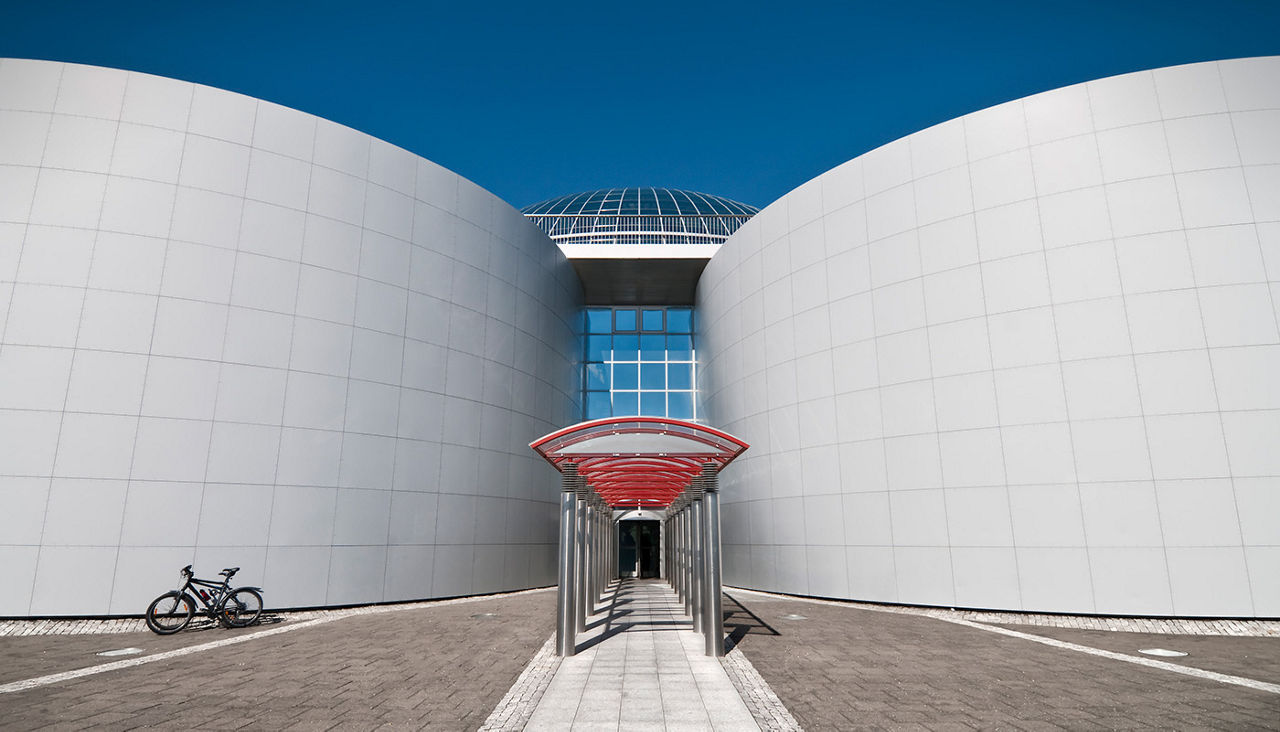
<point x="641" y="201"/>
<point x="639" y="216"/>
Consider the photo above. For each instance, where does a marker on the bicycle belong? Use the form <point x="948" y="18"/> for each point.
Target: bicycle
<point x="233" y="608"/>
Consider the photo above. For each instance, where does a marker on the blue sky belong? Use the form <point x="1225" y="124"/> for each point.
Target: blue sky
<point x="745" y="100"/>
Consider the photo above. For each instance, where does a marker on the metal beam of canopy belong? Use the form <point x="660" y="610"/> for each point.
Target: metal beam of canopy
<point x="610" y="467"/>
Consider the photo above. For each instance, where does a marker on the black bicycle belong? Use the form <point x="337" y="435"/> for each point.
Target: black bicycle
<point x="234" y="608"/>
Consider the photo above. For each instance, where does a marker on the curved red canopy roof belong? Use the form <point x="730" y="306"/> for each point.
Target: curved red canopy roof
<point x="639" y="461"/>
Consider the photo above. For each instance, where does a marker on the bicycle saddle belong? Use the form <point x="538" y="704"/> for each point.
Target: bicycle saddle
<point x="229" y="571"/>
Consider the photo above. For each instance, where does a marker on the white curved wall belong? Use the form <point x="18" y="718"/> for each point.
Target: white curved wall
<point x="1024" y="359"/>
<point x="236" y="334"/>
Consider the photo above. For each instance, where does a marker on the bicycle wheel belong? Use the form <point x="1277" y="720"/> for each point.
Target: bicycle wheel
<point x="170" y="612"/>
<point x="241" y="607"/>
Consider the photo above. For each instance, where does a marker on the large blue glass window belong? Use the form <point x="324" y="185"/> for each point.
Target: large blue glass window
<point x="626" y="403"/>
<point x="624" y="320"/>
<point x="679" y="320"/>
<point x="597" y="377"/>
<point x="598" y="348"/>
<point x="680" y="376"/>
<point x="680" y="404"/>
<point x="653" y="376"/>
<point x="679" y="347"/>
<point x="625" y="376"/>
<point x="652" y="321"/>
<point x="653" y="403"/>
<point x="598" y="321"/>
<point x="598" y="405"/>
<point x="653" y="347"/>
<point x="626" y="347"/>
<point x="639" y="361"/>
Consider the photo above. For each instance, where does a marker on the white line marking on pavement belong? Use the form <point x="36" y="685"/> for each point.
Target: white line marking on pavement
<point x="177" y="652"/>
<point x="1150" y="662"/>
<point x="38" y="681"/>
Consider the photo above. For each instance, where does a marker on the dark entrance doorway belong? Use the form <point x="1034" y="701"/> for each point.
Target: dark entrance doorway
<point x="638" y="548"/>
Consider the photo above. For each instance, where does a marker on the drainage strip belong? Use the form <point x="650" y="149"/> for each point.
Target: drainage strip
<point x="516" y="708"/>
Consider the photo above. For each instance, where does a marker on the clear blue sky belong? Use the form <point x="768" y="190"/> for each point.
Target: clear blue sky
<point x="745" y="100"/>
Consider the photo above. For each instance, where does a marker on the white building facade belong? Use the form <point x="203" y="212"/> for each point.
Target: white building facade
<point x="238" y="335"/>
<point x="1028" y="359"/>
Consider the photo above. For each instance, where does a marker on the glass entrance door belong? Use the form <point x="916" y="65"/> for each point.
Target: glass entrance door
<point x="638" y="548"/>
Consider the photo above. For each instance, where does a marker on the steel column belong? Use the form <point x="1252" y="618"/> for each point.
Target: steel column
<point x="673" y="562"/>
<point x="673" y="522"/>
<point x="598" y="564"/>
<point x="698" y="562"/>
<point x="713" y="603"/>
<point x="682" y="583"/>
<point x="675" y="551"/>
<point x="566" y="623"/>
<point x="662" y="549"/>
<point x="686" y="566"/>
<point x="591" y="554"/>
<point x="600" y="537"/>
<point x="580" y="573"/>
<point x="684" y="559"/>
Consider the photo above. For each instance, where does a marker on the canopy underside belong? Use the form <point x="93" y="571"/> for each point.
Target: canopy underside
<point x="639" y="461"/>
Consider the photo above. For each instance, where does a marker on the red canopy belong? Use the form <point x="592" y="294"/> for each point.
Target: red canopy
<point x="639" y="461"/>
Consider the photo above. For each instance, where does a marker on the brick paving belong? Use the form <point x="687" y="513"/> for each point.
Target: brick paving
<point x="37" y="655"/>
<point x="770" y="713"/>
<point x="1248" y="657"/>
<point x="434" y="666"/>
<point x="1168" y="626"/>
<point x="521" y="700"/>
<point x="1175" y="626"/>
<point x="844" y="667"/>
<point x="838" y="666"/>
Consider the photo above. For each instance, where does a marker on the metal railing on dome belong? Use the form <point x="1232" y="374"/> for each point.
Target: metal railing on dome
<point x="638" y="229"/>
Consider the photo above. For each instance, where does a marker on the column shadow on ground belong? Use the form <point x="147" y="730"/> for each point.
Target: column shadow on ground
<point x="741" y="622"/>
<point x="622" y="594"/>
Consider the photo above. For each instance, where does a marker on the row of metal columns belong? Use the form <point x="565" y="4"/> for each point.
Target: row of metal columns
<point x="587" y="533"/>
<point x="691" y="553"/>
<point x="589" y="556"/>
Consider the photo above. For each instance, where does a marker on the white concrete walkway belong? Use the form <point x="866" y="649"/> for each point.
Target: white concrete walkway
<point x="640" y="666"/>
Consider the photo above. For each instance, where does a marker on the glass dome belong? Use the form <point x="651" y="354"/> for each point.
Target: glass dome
<point x="639" y="216"/>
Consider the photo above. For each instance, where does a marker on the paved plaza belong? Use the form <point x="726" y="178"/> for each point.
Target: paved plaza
<point x="641" y="667"/>
<point x="441" y="666"/>
<point x="485" y="662"/>
<point x="841" y="667"/>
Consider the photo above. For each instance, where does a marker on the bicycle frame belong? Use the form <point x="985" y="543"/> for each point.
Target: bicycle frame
<point x="217" y="590"/>
<point x="197" y="589"/>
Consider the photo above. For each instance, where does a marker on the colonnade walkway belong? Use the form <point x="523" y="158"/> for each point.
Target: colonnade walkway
<point x="639" y="665"/>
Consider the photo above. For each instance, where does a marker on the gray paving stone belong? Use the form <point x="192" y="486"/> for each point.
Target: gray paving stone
<point x="859" y="667"/>
<point x="849" y="666"/>
<point x="654" y="670"/>
<point x="433" y="666"/>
